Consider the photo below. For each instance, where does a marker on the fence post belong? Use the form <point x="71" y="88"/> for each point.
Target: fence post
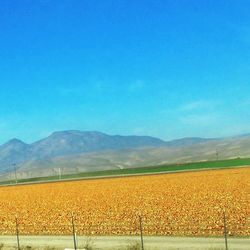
<point x="17" y="234"/>
<point x="73" y="230"/>
<point x="225" y="229"/>
<point x="141" y="230"/>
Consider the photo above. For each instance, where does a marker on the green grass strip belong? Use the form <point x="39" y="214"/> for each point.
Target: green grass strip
<point x="143" y="170"/>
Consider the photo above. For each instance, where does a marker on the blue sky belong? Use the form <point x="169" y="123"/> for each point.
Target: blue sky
<point x="149" y="67"/>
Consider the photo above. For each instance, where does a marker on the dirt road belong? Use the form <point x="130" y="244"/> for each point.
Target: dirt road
<point x="115" y="243"/>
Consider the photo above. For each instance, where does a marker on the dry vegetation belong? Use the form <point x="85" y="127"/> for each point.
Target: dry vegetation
<point x="172" y="204"/>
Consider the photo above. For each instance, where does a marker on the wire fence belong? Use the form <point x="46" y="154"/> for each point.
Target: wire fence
<point x="141" y="227"/>
<point x="132" y="227"/>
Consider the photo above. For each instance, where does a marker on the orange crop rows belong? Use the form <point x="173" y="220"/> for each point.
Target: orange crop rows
<point x="170" y="204"/>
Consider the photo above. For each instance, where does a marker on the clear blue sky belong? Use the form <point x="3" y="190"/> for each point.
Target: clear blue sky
<point x="149" y="67"/>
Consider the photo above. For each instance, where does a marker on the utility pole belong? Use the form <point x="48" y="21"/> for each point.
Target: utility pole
<point x="14" y="165"/>
<point x="59" y="173"/>
<point x="217" y="155"/>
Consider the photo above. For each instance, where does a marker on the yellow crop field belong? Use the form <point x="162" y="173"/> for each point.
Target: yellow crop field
<point x="170" y="204"/>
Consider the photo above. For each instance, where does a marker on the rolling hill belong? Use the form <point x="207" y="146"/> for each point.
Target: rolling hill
<point x="78" y="151"/>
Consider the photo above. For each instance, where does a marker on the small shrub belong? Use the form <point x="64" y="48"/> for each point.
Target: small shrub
<point x="215" y="248"/>
<point x="134" y="246"/>
<point x="27" y="248"/>
<point x="49" y="248"/>
<point x="88" y="244"/>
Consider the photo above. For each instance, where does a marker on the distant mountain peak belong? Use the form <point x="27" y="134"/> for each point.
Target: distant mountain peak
<point x="76" y="132"/>
<point x="70" y="143"/>
<point x="15" y="141"/>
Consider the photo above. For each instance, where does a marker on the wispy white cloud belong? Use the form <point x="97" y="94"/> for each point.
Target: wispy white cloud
<point x="193" y="108"/>
<point x="140" y="131"/>
<point x="197" y="105"/>
<point x="199" y="119"/>
<point x="199" y="113"/>
<point x="237" y="128"/>
<point x="100" y="87"/>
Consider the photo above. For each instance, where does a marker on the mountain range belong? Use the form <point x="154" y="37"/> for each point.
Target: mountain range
<point x="78" y="151"/>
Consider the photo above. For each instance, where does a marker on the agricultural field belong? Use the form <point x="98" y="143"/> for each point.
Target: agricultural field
<point x="219" y="164"/>
<point x="190" y="203"/>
